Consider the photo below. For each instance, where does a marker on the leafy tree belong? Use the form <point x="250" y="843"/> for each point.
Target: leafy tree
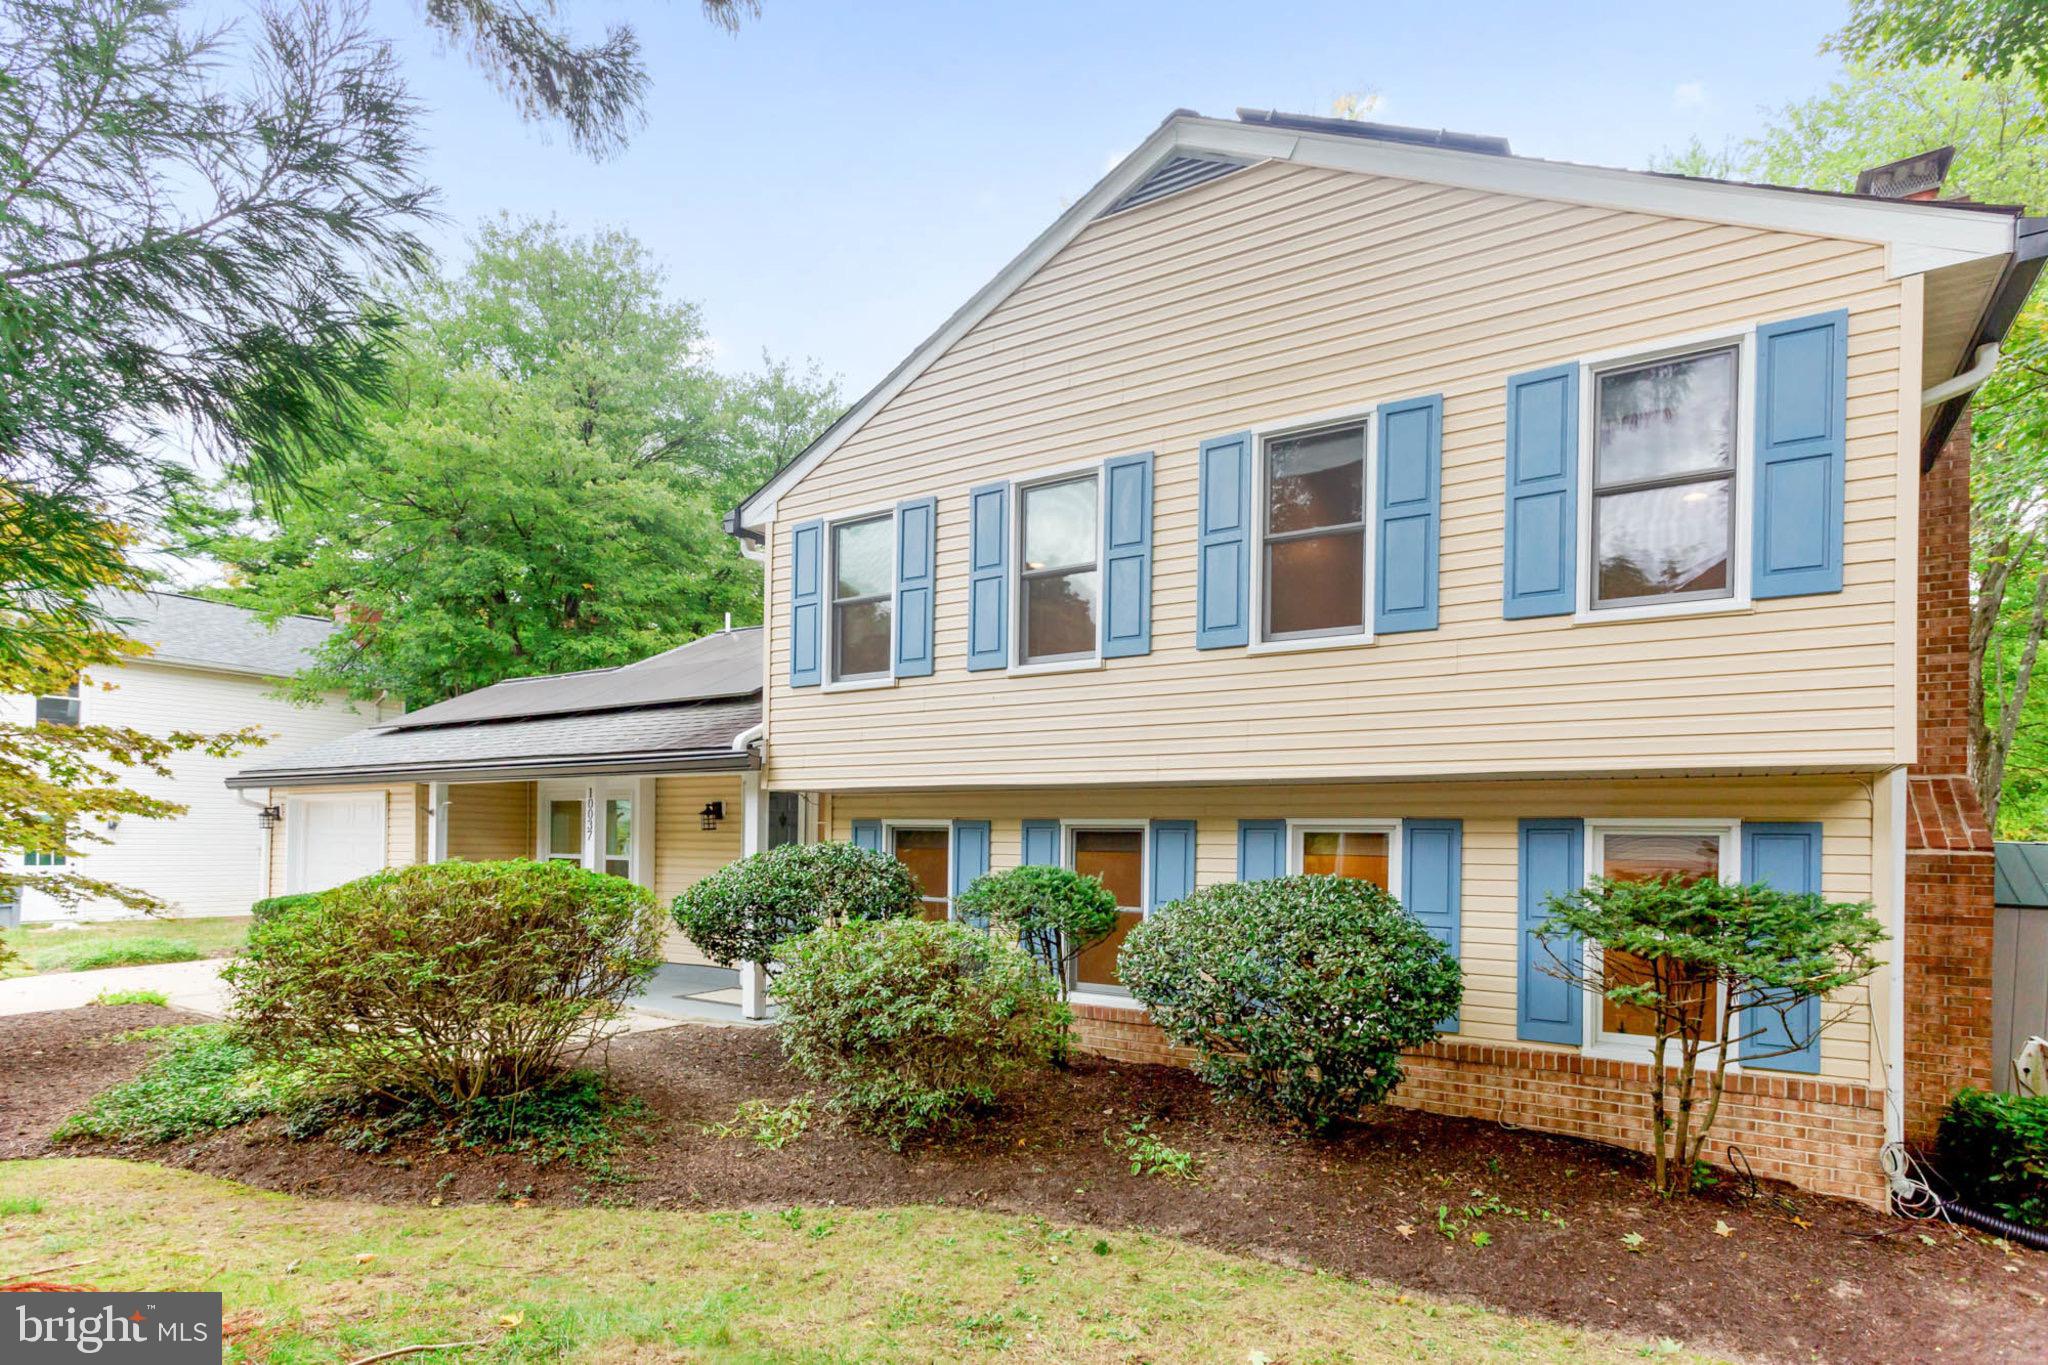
<point x="1055" y="913"/>
<point x="592" y="89"/>
<point x="1986" y="37"/>
<point x="1709" y="963"/>
<point x="1999" y="128"/>
<point x="540" y="492"/>
<point x="183" y="262"/>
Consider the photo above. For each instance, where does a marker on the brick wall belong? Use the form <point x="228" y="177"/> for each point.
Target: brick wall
<point x="1948" y="929"/>
<point x="1819" y="1135"/>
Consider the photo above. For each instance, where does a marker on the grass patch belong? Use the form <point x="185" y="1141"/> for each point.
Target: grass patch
<point x="331" y="1281"/>
<point x="19" y="1205"/>
<point x="201" y="1081"/>
<point x="131" y="998"/>
<point x="123" y="943"/>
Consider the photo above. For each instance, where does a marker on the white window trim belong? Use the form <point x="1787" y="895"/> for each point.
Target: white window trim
<point x="1391" y="828"/>
<point x="1016" y="666"/>
<point x="1367" y="417"/>
<point x="563" y="789"/>
<point x="828" y="663"/>
<point x="592" y="793"/>
<point x="1590" y="368"/>
<point x="1079" y="993"/>
<point x="1625" y="1047"/>
<point x="889" y="828"/>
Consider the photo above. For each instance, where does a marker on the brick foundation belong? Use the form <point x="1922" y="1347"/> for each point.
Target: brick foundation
<point x="1821" y="1136"/>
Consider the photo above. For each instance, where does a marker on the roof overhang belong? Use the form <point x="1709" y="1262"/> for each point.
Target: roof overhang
<point x="506" y="770"/>
<point x="2015" y="282"/>
<point x="1917" y="236"/>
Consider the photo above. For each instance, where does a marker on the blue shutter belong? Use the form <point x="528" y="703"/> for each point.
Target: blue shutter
<point x="1041" y="843"/>
<point x="868" y="834"/>
<point x="1540" y="559"/>
<point x="1173" y="861"/>
<point x="1127" y="556"/>
<point x="988" y="577"/>
<point x="970" y="857"/>
<point x="1261" y="850"/>
<point x="806" y="603"/>
<point x="1785" y="857"/>
<point x="916" y="528"/>
<point x="1405" y="517"/>
<point x="1802" y="408"/>
<point x="1223" y="545"/>
<point x="1552" y="861"/>
<point x="1432" y="868"/>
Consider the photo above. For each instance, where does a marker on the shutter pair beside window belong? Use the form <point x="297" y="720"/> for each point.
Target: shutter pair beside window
<point x="1801" y="412"/>
<point x="1552" y="861"/>
<point x="1125" y="516"/>
<point x="910" y="624"/>
<point x="1407" y="456"/>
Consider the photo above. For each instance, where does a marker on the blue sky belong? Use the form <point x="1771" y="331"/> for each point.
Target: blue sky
<point x="835" y="180"/>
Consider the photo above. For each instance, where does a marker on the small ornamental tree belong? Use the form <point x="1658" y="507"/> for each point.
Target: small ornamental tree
<point x="1055" y="914"/>
<point x="740" y="912"/>
<point x="1707" y="963"/>
<point x="1297" y="994"/>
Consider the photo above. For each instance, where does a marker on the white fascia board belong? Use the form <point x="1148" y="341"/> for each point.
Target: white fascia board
<point x="1918" y="237"/>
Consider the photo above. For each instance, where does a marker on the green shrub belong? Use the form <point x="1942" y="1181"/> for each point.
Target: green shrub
<point x="914" y="1025"/>
<point x="270" y="907"/>
<point x="1296" y="994"/>
<point x="1994" y="1150"/>
<point x="1055" y="914"/>
<point x="205" y="1079"/>
<point x="448" y="982"/>
<point x="740" y="912"/>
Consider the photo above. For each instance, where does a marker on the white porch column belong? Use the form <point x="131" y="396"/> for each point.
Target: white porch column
<point x="753" y="838"/>
<point x="437" y="822"/>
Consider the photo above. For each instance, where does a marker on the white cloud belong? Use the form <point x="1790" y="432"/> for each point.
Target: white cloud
<point x="1689" y="95"/>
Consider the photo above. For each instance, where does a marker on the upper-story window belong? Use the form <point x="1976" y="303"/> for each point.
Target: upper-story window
<point x="1313" y="572"/>
<point x="1058" y="586"/>
<point x="861" y="584"/>
<point x="58" y="708"/>
<point x="1665" y="441"/>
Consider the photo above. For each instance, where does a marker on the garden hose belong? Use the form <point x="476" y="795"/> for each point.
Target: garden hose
<point x="1913" y="1197"/>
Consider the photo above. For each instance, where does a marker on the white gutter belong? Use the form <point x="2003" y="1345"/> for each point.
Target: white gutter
<point x="1980" y="370"/>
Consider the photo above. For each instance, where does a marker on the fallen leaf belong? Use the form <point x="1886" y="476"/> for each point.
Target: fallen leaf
<point x="291" y="1267"/>
<point x="1721" y="1228"/>
<point x="522" y="1203"/>
<point x="435" y="1202"/>
<point x="1405" y="1229"/>
<point x="511" y="1319"/>
<point x="1799" y="1222"/>
<point x="365" y="1257"/>
<point x="1632" y="1240"/>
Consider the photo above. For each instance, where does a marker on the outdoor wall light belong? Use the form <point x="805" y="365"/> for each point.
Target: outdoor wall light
<point x="270" y="817"/>
<point x="713" y="812"/>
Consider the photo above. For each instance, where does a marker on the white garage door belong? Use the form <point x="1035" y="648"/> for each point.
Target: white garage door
<point x="332" y="839"/>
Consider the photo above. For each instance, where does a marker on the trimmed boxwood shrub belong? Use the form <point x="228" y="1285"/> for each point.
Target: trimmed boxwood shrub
<point x="1296" y="994"/>
<point x="445" y="983"/>
<point x="1994" y="1150"/>
<point x="914" y="1025"/>
<point x="1054" y="914"/>
<point x="741" y="911"/>
<point x="270" y="907"/>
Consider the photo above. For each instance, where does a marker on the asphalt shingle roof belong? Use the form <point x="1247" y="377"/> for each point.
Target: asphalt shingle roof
<point x="2022" y="874"/>
<point x="202" y="634"/>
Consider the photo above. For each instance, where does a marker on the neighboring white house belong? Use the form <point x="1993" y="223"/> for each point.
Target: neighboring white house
<point x="213" y="668"/>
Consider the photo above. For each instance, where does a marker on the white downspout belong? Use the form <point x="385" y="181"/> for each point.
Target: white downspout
<point x="753" y="838"/>
<point x="264" y="837"/>
<point x="1982" y="365"/>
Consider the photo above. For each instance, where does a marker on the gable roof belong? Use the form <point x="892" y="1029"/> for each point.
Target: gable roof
<point x="196" y="633"/>
<point x="1920" y="235"/>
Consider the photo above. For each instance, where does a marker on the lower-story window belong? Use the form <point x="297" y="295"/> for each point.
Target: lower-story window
<point x="926" y="852"/>
<point x="1363" y="849"/>
<point x="1644" y="852"/>
<point x="1115" y="856"/>
<point x="564" y="830"/>
<point x="618" y="836"/>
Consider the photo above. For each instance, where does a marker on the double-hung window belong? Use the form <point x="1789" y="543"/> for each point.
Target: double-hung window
<point x="1665" y="437"/>
<point x="862" y="582"/>
<point x="1058" y="585"/>
<point x="1312" y="570"/>
<point x="1646" y="852"/>
<point x="58" y="708"/>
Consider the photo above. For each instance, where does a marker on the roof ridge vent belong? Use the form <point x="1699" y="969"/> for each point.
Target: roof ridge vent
<point x="1171" y="176"/>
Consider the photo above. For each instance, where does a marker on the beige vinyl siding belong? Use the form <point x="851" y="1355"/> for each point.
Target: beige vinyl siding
<point x="491" y="820"/>
<point x="405" y="827"/>
<point x="684" y="851"/>
<point x="1282" y="293"/>
<point x="1490" y="812"/>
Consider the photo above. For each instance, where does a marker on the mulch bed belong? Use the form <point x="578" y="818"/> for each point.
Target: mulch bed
<point x="1797" y="1277"/>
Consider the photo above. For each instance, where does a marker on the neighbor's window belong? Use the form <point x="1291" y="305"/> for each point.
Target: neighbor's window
<point x="861" y="583"/>
<point x="565" y="831"/>
<point x="1057" y="592"/>
<point x="60" y="708"/>
<point x="1315" y="534"/>
<point x="1640" y="857"/>
<point x="926" y="854"/>
<point x="1117" y="858"/>
<point x="1357" y="853"/>
<point x="1663" y="521"/>
<point x="618" y="836"/>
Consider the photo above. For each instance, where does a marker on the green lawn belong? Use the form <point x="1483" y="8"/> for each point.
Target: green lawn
<point x="327" y="1281"/>
<point x="126" y="943"/>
